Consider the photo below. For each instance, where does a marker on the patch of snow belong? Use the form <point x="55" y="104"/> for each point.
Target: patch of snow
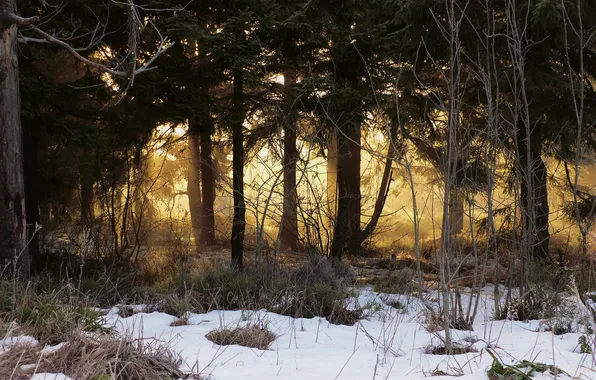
<point x="49" y="349"/>
<point x="5" y="344"/>
<point x="50" y="376"/>
<point x="389" y="343"/>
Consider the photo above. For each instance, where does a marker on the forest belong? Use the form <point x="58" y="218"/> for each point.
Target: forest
<point x="340" y="189"/>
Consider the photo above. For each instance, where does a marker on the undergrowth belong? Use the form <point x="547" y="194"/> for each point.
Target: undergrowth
<point x="314" y="288"/>
<point x="49" y="316"/>
<point x="96" y="358"/>
<point x="49" y="309"/>
<point x="523" y="370"/>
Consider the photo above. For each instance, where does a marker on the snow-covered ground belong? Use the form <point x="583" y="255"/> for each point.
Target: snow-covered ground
<point x="389" y="344"/>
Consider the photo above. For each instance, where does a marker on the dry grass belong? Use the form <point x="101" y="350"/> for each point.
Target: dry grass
<point x="13" y="362"/>
<point x="248" y="336"/>
<point x="48" y="315"/>
<point x="180" y="322"/>
<point x="126" y="311"/>
<point x="396" y="281"/>
<point x="85" y="357"/>
<point x="453" y="350"/>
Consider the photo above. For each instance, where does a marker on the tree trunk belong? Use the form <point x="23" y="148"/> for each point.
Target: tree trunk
<point x="456" y="211"/>
<point x="208" y="185"/>
<point x="332" y="167"/>
<point x="31" y="147"/>
<point x="534" y="195"/>
<point x="352" y="177"/>
<point x="384" y="188"/>
<point x="239" y="221"/>
<point x="193" y="187"/>
<point x="86" y="179"/>
<point x="13" y="226"/>
<point x="289" y="233"/>
<point x="341" y="227"/>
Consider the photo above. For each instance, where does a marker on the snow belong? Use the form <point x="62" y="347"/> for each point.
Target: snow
<point x="388" y="344"/>
<point x="50" y="376"/>
<point x="8" y="342"/>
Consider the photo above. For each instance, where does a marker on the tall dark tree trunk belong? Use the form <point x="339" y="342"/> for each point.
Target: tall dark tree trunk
<point x="289" y="233"/>
<point x="239" y="221"/>
<point x="534" y="195"/>
<point x="193" y="188"/>
<point x="31" y="147"/>
<point x="13" y="226"/>
<point x="384" y="188"/>
<point x="208" y="185"/>
<point x="332" y="166"/>
<point x="341" y="227"/>
<point x="352" y="182"/>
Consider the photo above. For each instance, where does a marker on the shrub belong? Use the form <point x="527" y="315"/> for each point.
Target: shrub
<point x="50" y="317"/>
<point x="314" y="288"/>
<point x="395" y="282"/>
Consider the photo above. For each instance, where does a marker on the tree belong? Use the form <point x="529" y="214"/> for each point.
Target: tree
<point x="13" y="215"/>
<point x="13" y="225"/>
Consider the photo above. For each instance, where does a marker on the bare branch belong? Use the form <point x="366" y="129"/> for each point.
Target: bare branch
<point x="29" y="24"/>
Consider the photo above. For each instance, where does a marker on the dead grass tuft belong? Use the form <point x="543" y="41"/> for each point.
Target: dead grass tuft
<point x="454" y="350"/>
<point x="85" y="357"/>
<point x="180" y="322"/>
<point x="15" y="362"/>
<point x="126" y="311"/>
<point x="248" y="336"/>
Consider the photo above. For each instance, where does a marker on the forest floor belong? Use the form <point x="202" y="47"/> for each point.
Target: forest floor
<point x="394" y="340"/>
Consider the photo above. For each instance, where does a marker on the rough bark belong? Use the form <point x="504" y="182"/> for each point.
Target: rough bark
<point x="289" y="233"/>
<point x="13" y="226"/>
<point x="193" y="189"/>
<point x="208" y="185"/>
<point x="456" y="211"/>
<point x="239" y="221"/>
<point x="352" y="183"/>
<point x="341" y="226"/>
<point x="31" y="147"/>
<point x="534" y="195"/>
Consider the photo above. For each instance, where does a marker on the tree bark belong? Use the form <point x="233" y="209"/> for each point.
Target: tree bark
<point x="193" y="187"/>
<point x="12" y="193"/>
<point x="31" y="147"/>
<point x="534" y="195"/>
<point x="332" y="167"/>
<point x="13" y="226"/>
<point x="352" y="183"/>
<point x="239" y="221"/>
<point x="384" y="188"/>
<point x="456" y="211"/>
<point x="289" y="233"/>
<point x="208" y="185"/>
<point x="341" y="226"/>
